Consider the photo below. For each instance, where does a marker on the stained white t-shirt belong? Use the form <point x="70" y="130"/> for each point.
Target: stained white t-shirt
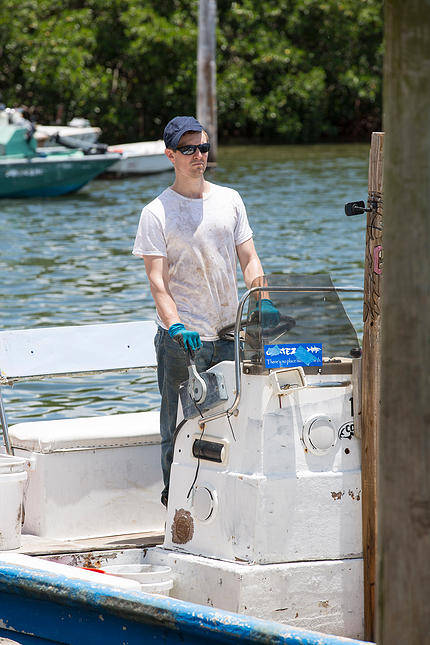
<point x="199" y="238"/>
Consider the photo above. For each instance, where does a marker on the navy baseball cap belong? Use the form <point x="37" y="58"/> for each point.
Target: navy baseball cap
<point x="178" y="127"/>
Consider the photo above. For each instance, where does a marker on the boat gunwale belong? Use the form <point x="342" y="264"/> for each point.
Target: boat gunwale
<point x="154" y="610"/>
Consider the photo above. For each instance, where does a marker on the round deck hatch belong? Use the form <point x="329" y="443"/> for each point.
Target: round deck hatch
<point x="204" y="503"/>
<point x="319" y="434"/>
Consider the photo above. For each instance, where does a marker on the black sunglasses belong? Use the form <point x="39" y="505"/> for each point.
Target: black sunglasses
<point x="190" y="149"/>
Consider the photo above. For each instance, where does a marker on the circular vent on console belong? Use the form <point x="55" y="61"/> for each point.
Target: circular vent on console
<point x="319" y="434"/>
<point x="204" y="503"/>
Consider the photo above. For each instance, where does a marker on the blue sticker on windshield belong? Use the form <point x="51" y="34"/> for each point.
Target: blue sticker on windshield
<point x="293" y="355"/>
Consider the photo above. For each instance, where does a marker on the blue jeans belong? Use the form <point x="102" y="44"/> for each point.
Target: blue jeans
<point x="171" y="372"/>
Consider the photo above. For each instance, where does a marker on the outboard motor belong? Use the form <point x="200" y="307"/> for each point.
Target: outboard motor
<point x="94" y="148"/>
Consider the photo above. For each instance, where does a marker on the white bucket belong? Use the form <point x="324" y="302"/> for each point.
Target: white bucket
<point x="12" y="479"/>
<point x="153" y="578"/>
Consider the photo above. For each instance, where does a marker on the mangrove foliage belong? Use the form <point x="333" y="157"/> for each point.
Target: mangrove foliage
<point x="287" y="70"/>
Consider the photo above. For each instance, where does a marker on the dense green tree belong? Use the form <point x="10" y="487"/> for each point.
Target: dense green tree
<point x="300" y="70"/>
<point x="287" y="70"/>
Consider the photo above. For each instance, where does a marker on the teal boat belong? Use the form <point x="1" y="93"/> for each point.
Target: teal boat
<point x="28" y="172"/>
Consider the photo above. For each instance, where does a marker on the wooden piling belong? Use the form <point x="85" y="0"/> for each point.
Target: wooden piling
<point x="206" y="74"/>
<point x="403" y="554"/>
<point x="370" y="400"/>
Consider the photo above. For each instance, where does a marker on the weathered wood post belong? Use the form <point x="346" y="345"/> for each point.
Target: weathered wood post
<point x="370" y="393"/>
<point x="206" y="73"/>
<point x="403" y="560"/>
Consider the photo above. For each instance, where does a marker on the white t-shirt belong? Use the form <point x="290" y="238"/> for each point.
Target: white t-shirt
<point x="199" y="238"/>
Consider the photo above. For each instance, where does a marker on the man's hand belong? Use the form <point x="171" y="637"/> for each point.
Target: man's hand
<point x="266" y="313"/>
<point x="185" y="338"/>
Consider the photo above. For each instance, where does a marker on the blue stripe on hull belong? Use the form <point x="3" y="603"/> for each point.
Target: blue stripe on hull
<point x="57" y="609"/>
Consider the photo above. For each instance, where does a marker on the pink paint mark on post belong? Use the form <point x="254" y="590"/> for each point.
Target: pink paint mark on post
<point x="377" y="257"/>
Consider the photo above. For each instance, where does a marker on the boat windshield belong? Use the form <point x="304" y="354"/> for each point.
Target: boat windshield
<point x="307" y="328"/>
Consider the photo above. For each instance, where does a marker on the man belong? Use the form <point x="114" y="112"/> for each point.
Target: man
<point x="190" y="238"/>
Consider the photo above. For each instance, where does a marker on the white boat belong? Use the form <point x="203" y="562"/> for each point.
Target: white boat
<point x="264" y="511"/>
<point x="140" y="158"/>
<point x="77" y="129"/>
<point x="45" y="135"/>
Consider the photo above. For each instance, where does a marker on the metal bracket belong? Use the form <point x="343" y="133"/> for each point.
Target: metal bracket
<point x="358" y="208"/>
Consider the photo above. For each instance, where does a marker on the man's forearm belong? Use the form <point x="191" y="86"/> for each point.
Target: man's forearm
<point x="252" y="270"/>
<point x="157" y="272"/>
<point x="249" y="262"/>
<point x="165" y="305"/>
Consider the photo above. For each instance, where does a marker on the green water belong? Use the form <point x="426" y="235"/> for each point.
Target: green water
<point x="67" y="261"/>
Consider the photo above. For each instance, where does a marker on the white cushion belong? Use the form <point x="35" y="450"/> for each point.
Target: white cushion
<point x="116" y="430"/>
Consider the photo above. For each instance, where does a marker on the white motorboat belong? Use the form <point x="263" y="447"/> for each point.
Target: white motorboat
<point x="77" y="129"/>
<point x="45" y="135"/>
<point x="264" y="511"/>
<point x="140" y="158"/>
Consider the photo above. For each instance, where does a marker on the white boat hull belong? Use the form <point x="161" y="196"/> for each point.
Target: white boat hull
<point x="140" y="158"/>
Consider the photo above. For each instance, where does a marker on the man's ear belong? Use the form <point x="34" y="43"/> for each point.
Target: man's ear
<point x="170" y="155"/>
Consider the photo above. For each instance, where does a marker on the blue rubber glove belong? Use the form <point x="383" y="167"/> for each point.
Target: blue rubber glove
<point x="267" y="313"/>
<point x="186" y="339"/>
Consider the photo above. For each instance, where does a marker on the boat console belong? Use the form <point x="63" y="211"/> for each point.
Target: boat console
<point x="266" y="484"/>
